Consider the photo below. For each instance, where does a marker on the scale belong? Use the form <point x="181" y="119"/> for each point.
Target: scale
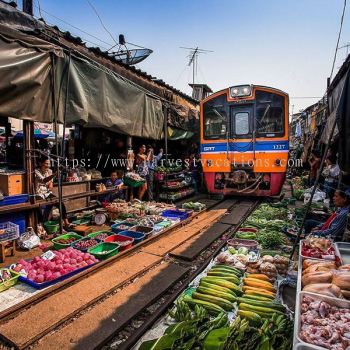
<point x="101" y="216"/>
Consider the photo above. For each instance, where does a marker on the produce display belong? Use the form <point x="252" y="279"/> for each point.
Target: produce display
<point x="134" y="177"/>
<point x="324" y="325"/>
<point x="65" y="261"/>
<point x="123" y="243"/>
<point x="123" y="227"/>
<point x="85" y="244"/>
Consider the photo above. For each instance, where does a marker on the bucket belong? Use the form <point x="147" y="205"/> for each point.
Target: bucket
<point x="51" y="227"/>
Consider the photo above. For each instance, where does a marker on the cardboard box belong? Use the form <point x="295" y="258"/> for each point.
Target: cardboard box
<point x="11" y="184"/>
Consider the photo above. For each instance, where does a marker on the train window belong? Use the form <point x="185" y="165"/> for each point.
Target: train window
<point x="269" y="114"/>
<point x="215" y="123"/>
<point x="242" y="123"/>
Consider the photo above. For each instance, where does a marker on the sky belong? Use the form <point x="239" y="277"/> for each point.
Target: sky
<point x="286" y="44"/>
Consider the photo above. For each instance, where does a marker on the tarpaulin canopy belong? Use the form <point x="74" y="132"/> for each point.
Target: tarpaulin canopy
<point x="339" y="105"/>
<point x="25" y="67"/>
<point x="178" y="134"/>
<point x="97" y="97"/>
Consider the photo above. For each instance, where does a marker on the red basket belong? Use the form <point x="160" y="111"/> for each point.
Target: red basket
<point x="120" y="238"/>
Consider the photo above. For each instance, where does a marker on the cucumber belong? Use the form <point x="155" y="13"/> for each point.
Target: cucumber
<point x="217" y="288"/>
<point x="223" y="283"/>
<point x="271" y="305"/>
<point x="227" y="296"/>
<point x="227" y="276"/>
<point x="236" y="271"/>
<point x="226" y="305"/>
<point x="212" y="308"/>
<point x="256" y="297"/>
<point x="259" y="309"/>
<point x="253" y="318"/>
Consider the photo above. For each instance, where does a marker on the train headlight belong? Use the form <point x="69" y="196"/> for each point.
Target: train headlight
<point x="240" y="91"/>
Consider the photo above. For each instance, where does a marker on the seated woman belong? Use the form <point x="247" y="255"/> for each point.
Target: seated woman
<point x="335" y="226"/>
<point x="115" y="181"/>
<point x="44" y="186"/>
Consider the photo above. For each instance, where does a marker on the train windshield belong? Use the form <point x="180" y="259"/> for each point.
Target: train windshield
<point x="215" y="121"/>
<point x="269" y="114"/>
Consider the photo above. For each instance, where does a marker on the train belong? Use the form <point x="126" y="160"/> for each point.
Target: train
<point x="244" y="140"/>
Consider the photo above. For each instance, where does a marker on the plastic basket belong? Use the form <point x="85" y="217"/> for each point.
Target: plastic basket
<point x="137" y="236"/>
<point x="51" y="227"/>
<point x="84" y="239"/>
<point x="116" y="227"/>
<point x="104" y="250"/>
<point x="94" y="234"/>
<point x="121" y="241"/>
<point x="143" y="229"/>
<point x="175" y="214"/>
<point x="12" y="200"/>
<point x="10" y="282"/>
<point x="8" y="231"/>
<point x="132" y="183"/>
<point x="58" y="245"/>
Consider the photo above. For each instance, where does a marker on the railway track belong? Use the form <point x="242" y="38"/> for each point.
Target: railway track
<point x="118" y="301"/>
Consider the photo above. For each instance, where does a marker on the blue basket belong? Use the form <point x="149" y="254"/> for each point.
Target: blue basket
<point x="49" y="283"/>
<point x="115" y="228"/>
<point x="18" y="218"/>
<point x="11" y="200"/>
<point x="137" y="236"/>
<point x="8" y="231"/>
<point x="175" y="214"/>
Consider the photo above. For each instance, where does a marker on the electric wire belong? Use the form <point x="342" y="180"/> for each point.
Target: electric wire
<point x="340" y="30"/>
<point x="103" y="25"/>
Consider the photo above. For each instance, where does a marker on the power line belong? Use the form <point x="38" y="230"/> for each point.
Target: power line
<point x="104" y="27"/>
<point x="73" y="26"/>
<point x="340" y="30"/>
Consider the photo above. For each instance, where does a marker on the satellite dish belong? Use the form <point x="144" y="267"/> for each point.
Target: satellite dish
<point x="130" y="56"/>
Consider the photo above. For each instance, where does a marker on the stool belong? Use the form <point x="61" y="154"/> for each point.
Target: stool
<point x="8" y="246"/>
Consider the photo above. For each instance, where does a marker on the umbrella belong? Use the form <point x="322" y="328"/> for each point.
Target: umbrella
<point x="38" y="134"/>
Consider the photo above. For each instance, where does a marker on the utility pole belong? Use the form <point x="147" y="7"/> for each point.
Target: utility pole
<point x="28" y="7"/>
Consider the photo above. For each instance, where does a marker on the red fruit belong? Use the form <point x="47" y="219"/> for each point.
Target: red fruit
<point x="89" y="262"/>
<point x="63" y="272"/>
<point x="56" y="275"/>
<point x="39" y="278"/>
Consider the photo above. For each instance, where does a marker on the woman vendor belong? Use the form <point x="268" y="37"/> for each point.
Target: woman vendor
<point x="335" y="226"/>
<point x="142" y="161"/>
<point x="115" y="181"/>
<point x="44" y="186"/>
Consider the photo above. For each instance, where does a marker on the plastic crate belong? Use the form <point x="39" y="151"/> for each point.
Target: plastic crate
<point x="137" y="236"/>
<point x="104" y="250"/>
<point x="18" y="218"/>
<point x="11" y="200"/>
<point x="147" y="231"/>
<point x="94" y="234"/>
<point x="115" y="228"/>
<point x="8" y="231"/>
<point x="175" y="214"/>
<point x="120" y="240"/>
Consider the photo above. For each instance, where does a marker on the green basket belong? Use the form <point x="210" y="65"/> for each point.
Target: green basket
<point x="129" y="182"/>
<point x="104" y="250"/>
<point x="59" y="246"/>
<point x="94" y="234"/>
<point x="51" y="227"/>
<point x="11" y="282"/>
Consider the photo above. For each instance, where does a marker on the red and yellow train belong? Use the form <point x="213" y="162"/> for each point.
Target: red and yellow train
<point x="245" y="140"/>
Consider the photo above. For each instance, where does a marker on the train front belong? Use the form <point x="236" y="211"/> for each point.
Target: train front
<point x="244" y="140"/>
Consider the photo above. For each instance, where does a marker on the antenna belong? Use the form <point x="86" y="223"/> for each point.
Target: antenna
<point x="193" y="55"/>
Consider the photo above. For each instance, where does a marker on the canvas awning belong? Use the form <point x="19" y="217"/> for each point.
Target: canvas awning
<point x="97" y="97"/>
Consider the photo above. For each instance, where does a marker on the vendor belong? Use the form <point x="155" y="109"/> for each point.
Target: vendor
<point x="331" y="174"/>
<point x="142" y="161"/>
<point x="315" y="163"/>
<point x="44" y="186"/>
<point x="153" y="161"/>
<point x="335" y="226"/>
<point x="115" y="181"/>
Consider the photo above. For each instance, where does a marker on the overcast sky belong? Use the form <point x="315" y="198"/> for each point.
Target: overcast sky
<point x="287" y="44"/>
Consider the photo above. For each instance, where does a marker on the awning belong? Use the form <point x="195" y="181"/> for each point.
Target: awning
<point x="25" y="68"/>
<point x="97" y="97"/>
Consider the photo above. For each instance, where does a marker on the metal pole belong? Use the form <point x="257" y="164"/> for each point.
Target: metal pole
<point x="314" y="188"/>
<point x="166" y="147"/>
<point x="54" y="108"/>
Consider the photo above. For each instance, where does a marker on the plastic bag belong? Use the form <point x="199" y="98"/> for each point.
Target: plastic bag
<point x="28" y="240"/>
